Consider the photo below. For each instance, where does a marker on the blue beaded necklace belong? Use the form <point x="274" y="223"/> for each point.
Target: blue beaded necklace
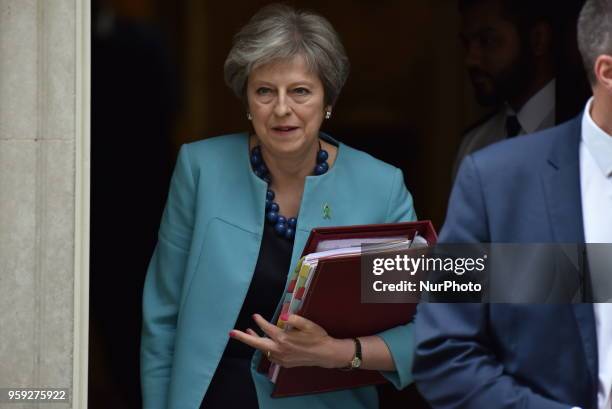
<point x="282" y="226"/>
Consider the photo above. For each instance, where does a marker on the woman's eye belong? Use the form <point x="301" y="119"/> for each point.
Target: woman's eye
<point x="301" y="91"/>
<point x="263" y="91"/>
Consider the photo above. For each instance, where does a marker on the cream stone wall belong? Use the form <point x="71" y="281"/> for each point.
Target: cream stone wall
<point x="44" y="162"/>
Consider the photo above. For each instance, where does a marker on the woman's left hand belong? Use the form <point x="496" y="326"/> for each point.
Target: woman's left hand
<point x="305" y="344"/>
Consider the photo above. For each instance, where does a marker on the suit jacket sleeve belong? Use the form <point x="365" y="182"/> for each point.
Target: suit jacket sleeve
<point x="400" y="339"/>
<point x="163" y="285"/>
<point x="455" y="366"/>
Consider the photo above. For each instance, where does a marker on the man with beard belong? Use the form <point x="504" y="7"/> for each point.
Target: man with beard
<point x="509" y="55"/>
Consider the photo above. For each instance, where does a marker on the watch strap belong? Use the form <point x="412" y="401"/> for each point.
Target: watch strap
<point x="357" y="349"/>
<point x="356" y="360"/>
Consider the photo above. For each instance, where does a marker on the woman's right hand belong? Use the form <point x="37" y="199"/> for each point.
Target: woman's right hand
<point x="305" y="344"/>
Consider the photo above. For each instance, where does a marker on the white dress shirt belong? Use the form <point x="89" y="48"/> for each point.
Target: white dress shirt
<point x="536" y="114"/>
<point x="596" y="192"/>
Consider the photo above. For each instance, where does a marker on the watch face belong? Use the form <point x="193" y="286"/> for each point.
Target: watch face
<point x="356" y="362"/>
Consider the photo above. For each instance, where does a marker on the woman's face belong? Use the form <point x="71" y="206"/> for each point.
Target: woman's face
<point x="286" y="101"/>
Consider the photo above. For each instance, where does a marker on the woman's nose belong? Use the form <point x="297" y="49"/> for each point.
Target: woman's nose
<point x="282" y="107"/>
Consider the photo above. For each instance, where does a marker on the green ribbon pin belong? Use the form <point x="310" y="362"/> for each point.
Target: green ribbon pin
<point x="326" y="211"/>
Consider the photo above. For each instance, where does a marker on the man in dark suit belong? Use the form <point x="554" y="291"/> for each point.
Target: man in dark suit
<point x="510" y="59"/>
<point x="552" y="187"/>
<point x="514" y="61"/>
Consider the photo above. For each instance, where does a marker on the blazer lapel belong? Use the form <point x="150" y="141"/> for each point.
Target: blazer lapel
<point x="562" y="185"/>
<point x="561" y="180"/>
<point x="243" y="203"/>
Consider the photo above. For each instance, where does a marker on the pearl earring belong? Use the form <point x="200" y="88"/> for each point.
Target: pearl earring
<point x="249" y="116"/>
<point x="327" y="114"/>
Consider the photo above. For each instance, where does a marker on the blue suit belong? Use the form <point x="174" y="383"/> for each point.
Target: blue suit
<point x="208" y="245"/>
<point x="523" y="190"/>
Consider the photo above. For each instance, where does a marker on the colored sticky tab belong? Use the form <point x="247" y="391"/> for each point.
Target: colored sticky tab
<point x="300" y="293"/>
<point x="300" y="283"/>
<point x="291" y="286"/>
<point x="284" y="310"/>
<point x="304" y="271"/>
<point x="295" y="307"/>
<point x="298" y="266"/>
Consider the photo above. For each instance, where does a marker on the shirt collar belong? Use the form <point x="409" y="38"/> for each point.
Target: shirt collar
<point x="536" y="109"/>
<point x="597" y="141"/>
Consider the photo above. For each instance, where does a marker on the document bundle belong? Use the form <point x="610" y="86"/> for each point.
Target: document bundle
<point x="325" y="288"/>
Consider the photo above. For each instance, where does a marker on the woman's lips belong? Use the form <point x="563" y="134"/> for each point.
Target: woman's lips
<point x="284" y="129"/>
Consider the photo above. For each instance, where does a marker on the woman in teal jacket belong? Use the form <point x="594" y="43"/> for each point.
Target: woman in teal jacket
<point x="238" y="214"/>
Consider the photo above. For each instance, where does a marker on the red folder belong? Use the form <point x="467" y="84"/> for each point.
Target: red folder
<point x="333" y="301"/>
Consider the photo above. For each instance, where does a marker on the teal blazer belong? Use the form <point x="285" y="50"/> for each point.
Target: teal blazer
<point x="207" y="248"/>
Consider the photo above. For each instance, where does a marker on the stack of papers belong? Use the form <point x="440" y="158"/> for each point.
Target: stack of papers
<point x="304" y="271"/>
